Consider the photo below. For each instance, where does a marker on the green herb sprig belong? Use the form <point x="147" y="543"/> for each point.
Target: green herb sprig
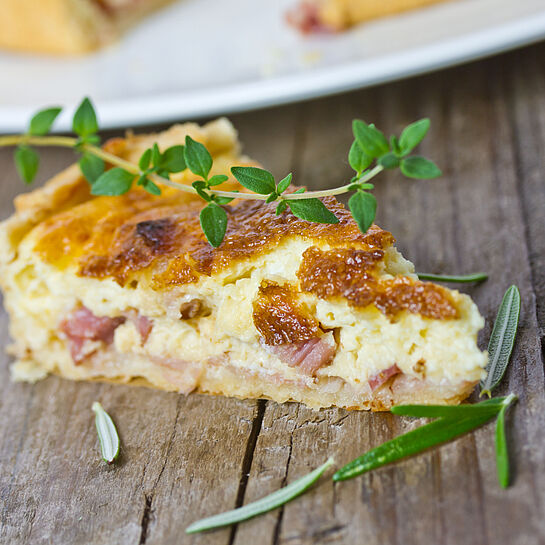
<point x="451" y="423"/>
<point x="107" y="433"/>
<point x="370" y="153"/>
<point x="264" y="505"/>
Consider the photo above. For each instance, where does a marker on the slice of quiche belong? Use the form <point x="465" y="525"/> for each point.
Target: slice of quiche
<point x="335" y="15"/>
<point x="68" y="26"/>
<point x="128" y="289"/>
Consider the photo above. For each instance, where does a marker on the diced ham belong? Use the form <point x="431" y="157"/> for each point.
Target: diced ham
<point x="376" y="381"/>
<point x="142" y="323"/>
<point x="144" y="326"/>
<point x="308" y="356"/>
<point x="182" y="374"/>
<point x="305" y="18"/>
<point x="82" y="325"/>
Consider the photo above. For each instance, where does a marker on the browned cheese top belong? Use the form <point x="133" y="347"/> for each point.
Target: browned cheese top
<point x="350" y="273"/>
<point x="279" y="318"/>
<point x="160" y="237"/>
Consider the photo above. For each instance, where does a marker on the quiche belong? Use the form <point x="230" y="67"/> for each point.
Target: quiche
<point x="335" y="15"/>
<point x="127" y="289"/>
<point x="68" y="26"/>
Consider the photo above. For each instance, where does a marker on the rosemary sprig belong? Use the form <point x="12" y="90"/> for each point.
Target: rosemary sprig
<point x="460" y="420"/>
<point x="371" y="153"/>
<point x="268" y="503"/>
<point x="458" y="279"/>
<point x="502" y="339"/>
<point x="489" y="406"/>
<point x="107" y="434"/>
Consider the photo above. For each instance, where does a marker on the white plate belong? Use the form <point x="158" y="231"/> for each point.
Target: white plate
<point x="207" y="57"/>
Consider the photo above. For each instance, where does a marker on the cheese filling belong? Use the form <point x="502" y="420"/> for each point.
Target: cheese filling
<point x="189" y="337"/>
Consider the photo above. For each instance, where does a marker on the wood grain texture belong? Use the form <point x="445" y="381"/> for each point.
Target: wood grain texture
<point x="187" y="457"/>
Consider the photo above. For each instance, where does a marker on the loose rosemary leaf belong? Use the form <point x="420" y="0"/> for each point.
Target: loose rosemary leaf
<point x="502" y="454"/>
<point x="430" y="435"/>
<point x="490" y="406"/>
<point x="268" y="503"/>
<point x="107" y="434"/>
<point x="460" y="279"/>
<point x="502" y="339"/>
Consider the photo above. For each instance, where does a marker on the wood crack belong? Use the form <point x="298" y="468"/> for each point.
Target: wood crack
<point x="247" y="460"/>
<point x="144" y="523"/>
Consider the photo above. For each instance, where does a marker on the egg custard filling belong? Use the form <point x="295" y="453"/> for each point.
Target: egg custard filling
<point x="127" y="289"/>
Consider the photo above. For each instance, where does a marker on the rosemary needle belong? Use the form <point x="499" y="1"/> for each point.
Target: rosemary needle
<point x="490" y="406"/>
<point x="459" y="279"/>
<point x="502" y="454"/>
<point x="502" y="339"/>
<point x="268" y="503"/>
<point x="107" y="434"/>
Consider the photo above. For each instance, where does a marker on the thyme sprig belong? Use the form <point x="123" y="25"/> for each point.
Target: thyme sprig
<point x="370" y="153"/>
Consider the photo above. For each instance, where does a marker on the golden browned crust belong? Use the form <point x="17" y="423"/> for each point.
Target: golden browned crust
<point x="230" y="381"/>
<point x="68" y="189"/>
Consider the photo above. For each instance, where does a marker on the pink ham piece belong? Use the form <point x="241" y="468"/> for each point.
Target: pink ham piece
<point x="144" y="326"/>
<point x="142" y="323"/>
<point x="82" y="325"/>
<point x="305" y="18"/>
<point x="376" y="381"/>
<point x="308" y="356"/>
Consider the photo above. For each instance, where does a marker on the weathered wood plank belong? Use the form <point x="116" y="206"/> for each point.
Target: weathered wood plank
<point x="462" y="223"/>
<point x="54" y="486"/>
<point x="184" y="458"/>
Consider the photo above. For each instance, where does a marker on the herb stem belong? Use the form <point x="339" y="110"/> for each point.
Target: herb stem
<point x="134" y="169"/>
<point x="70" y="142"/>
<point x="27" y="139"/>
<point x="336" y="191"/>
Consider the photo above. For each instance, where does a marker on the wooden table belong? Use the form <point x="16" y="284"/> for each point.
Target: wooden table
<point x="187" y="457"/>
